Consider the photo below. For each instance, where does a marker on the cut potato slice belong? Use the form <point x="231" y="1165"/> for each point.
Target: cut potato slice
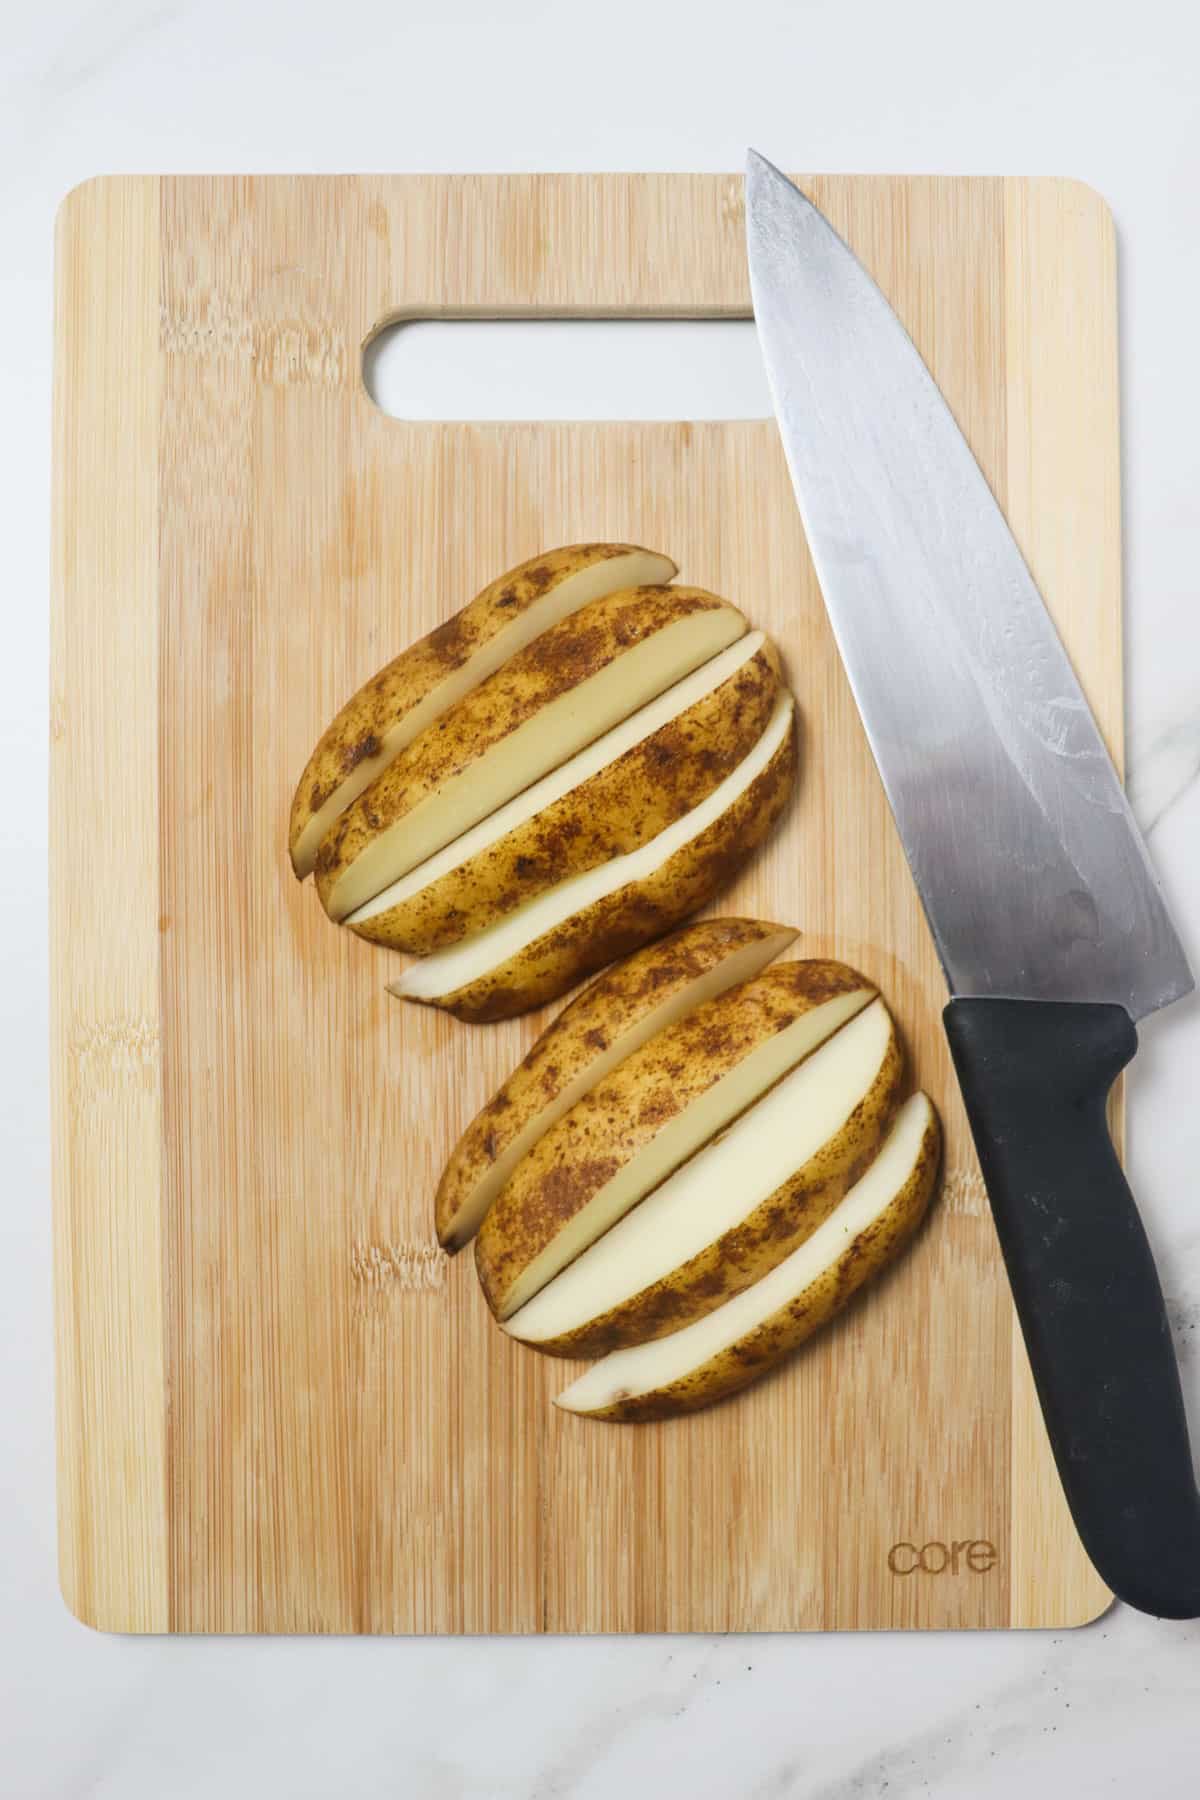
<point x="539" y="951"/>
<point x="608" y="800"/>
<point x="417" y="686"/>
<point x="611" y="1019"/>
<point x="650" y="1115"/>
<point x="731" y="1347"/>
<point x="569" y="686"/>
<point x="736" y="1209"/>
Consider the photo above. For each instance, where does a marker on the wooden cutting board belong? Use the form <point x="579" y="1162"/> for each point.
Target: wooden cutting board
<point x="280" y="1408"/>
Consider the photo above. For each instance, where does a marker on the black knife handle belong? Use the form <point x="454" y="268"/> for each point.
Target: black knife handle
<point x="1035" y="1076"/>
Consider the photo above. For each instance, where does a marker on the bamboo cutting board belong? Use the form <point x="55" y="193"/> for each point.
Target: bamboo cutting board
<point x="280" y="1408"/>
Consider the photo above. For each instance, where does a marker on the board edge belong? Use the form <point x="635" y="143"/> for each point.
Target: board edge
<point x="106" y="1148"/>
<point x="1053" y="1584"/>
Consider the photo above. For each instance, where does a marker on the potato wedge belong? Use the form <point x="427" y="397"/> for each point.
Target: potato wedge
<point x="564" y="689"/>
<point x="611" y="1019"/>
<point x="650" y="1115"/>
<point x="422" y="682"/>
<point x="739" y="1206"/>
<point x="607" y="801"/>
<point x="589" y="920"/>
<point x="729" y="1348"/>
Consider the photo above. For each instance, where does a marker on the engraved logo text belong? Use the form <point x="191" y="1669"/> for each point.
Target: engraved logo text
<point x="936" y="1558"/>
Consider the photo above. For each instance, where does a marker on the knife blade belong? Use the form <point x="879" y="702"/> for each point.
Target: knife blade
<point x="1045" y="910"/>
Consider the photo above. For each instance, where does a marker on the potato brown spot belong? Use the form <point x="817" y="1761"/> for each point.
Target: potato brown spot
<point x="360" y="751"/>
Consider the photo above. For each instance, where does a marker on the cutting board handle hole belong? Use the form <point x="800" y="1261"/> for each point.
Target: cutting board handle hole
<point x="544" y="368"/>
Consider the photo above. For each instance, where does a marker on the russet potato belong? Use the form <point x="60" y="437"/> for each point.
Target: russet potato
<point x="736" y="1209"/>
<point x="543" y="948"/>
<point x="420" y="684"/>
<point x="565" y="689"/>
<point x="606" y="801"/>
<point x="728" y="1348"/>
<point x="653" y="1112"/>
<point x="619" y="1012"/>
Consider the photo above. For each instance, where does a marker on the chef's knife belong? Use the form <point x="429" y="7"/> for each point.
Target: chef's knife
<point x="1044" y="908"/>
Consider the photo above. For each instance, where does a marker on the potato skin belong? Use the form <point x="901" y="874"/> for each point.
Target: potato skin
<point x="735" y="1260"/>
<point x="616" y="811"/>
<point x="625" y="1111"/>
<point x="568" y="653"/>
<point x="584" y="1030"/>
<point x="358" y="732"/>
<point x="753" y="1355"/>
<point x="635" y="914"/>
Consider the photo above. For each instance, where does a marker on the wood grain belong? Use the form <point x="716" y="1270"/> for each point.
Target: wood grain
<point x="281" y="1409"/>
<point x="106" y="1012"/>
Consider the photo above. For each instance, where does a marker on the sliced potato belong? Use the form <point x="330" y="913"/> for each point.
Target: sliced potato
<point x="543" y="948"/>
<point x="564" y="689"/>
<point x="736" y="1209"/>
<point x="608" y="800"/>
<point x="421" y="683"/>
<point x="650" y="1115"/>
<point x="729" y="1348"/>
<point x="611" y="1019"/>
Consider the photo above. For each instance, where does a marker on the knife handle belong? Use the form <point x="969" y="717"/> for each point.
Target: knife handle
<point x="1035" y="1076"/>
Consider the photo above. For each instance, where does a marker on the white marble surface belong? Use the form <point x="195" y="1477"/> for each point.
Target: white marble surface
<point x="1109" y="92"/>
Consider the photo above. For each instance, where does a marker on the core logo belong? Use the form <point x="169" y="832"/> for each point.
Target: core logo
<point x="935" y="1558"/>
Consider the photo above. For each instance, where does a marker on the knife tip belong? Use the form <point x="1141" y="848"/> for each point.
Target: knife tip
<point x="761" y="173"/>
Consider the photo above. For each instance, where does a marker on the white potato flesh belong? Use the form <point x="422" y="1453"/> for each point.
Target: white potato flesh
<point x="721" y="1186"/>
<point x="543" y="742"/>
<point x="572" y="774"/>
<point x="647" y="1368"/>
<point x="448" y="970"/>
<point x="740" y="966"/>
<point x="607" y="575"/>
